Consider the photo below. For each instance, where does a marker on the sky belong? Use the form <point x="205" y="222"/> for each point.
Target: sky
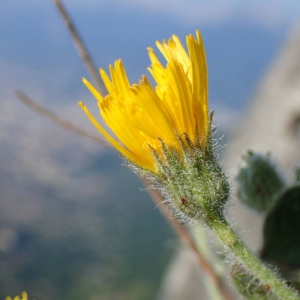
<point x="242" y="39"/>
<point x="38" y="57"/>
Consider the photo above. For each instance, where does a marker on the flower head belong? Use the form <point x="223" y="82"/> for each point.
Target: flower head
<point x="23" y="297"/>
<point x="141" y="117"/>
<point x="167" y="131"/>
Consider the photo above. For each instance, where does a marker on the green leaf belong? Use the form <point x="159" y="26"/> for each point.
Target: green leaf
<point x="282" y="229"/>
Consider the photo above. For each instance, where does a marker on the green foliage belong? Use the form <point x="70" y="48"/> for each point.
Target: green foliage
<point x="259" y="182"/>
<point x="282" y="228"/>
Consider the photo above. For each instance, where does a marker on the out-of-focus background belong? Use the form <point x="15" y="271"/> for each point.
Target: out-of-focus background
<point x="74" y="223"/>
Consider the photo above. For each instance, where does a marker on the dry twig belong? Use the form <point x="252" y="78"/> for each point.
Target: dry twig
<point x="63" y="123"/>
<point x="81" y="48"/>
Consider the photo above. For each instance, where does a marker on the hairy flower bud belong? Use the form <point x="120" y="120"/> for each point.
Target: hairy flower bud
<point x="194" y="184"/>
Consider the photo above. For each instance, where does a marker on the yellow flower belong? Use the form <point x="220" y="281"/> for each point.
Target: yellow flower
<point x="23" y="297"/>
<point x="140" y="116"/>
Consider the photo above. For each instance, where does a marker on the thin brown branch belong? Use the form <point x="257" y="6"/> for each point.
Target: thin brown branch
<point x="52" y="116"/>
<point x="186" y="239"/>
<point x="80" y="46"/>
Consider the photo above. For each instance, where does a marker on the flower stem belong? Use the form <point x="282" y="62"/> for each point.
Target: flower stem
<point x="234" y="245"/>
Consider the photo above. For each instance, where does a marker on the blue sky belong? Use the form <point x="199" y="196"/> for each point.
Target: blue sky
<point x="240" y="37"/>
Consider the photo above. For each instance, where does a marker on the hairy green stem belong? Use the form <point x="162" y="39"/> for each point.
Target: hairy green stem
<point x="234" y="245"/>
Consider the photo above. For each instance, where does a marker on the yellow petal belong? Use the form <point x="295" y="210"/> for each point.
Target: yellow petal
<point x="94" y="92"/>
<point x="24" y="296"/>
<point x="200" y="82"/>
